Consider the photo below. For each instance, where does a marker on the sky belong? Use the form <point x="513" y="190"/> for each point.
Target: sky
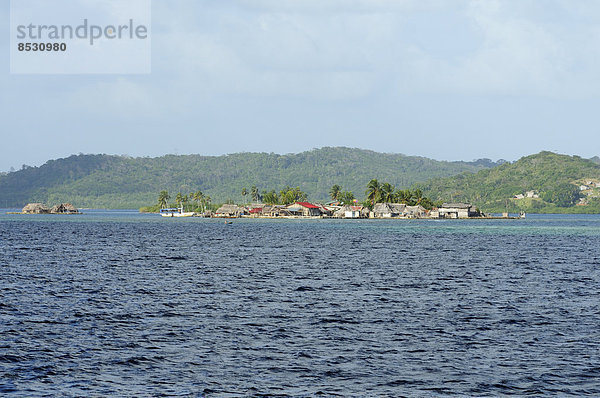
<point x="449" y="80"/>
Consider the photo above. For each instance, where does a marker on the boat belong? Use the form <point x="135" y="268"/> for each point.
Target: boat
<point x="175" y="212"/>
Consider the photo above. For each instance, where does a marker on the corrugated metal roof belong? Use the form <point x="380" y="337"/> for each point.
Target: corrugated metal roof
<point x="307" y="205"/>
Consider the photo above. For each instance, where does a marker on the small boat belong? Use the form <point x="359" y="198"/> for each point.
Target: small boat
<point x="175" y="212"/>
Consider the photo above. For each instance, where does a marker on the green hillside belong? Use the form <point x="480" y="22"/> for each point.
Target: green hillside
<point x="554" y="179"/>
<point x="103" y="181"/>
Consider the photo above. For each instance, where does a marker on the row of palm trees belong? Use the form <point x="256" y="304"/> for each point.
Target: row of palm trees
<point x="202" y="201"/>
<point x="254" y="194"/>
<point x="376" y="193"/>
<point x="345" y="197"/>
<point x="386" y="193"/>
<point x="286" y="196"/>
<point x="382" y="193"/>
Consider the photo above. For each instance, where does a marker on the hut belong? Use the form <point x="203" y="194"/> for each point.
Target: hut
<point x="305" y="209"/>
<point x="352" y="212"/>
<point x="382" y="210"/>
<point x="276" y="211"/>
<point x="417" y="211"/>
<point x="364" y="212"/>
<point x="326" y="211"/>
<point x="388" y="210"/>
<point x="341" y="212"/>
<point x="230" y="211"/>
<point x="458" y="210"/>
<point x="35" y="208"/>
<point x="64" y="208"/>
<point x="256" y="211"/>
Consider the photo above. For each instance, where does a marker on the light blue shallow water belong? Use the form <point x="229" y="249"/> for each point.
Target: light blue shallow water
<point x="118" y="303"/>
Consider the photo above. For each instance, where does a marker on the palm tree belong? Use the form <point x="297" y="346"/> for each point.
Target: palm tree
<point x="335" y="191"/>
<point x="163" y="199"/>
<point x="271" y="197"/>
<point x="244" y="193"/>
<point x="346" y="197"/>
<point x="179" y="198"/>
<point x="417" y="196"/>
<point x="387" y="192"/>
<point x="404" y="196"/>
<point x="198" y="196"/>
<point x="254" y="193"/>
<point x="373" y="191"/>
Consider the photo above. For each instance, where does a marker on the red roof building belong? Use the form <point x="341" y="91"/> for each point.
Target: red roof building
<point x="307" y="205"/>
<point x="305" y="209"/>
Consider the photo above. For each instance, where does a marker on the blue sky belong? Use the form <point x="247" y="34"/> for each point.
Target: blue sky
<point x="452" y="80"/>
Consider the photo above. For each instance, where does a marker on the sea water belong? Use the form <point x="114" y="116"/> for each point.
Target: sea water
<point x="120" y="303"/>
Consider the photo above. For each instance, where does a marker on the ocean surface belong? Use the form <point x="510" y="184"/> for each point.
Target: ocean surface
<point x="115" y="303"/>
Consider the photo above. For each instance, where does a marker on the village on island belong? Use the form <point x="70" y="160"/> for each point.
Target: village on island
<point x="336" y="210"/>
<point x="298" y="210"/>
<point x="382" y="201"/>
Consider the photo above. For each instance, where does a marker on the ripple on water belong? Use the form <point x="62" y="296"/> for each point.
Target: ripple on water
<point x="120" y="306"/>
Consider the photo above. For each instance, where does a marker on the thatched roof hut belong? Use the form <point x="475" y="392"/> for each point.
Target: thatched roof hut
<point x="364" y="212"/>
<point x="341" y="212"/>
<point x="276" y="211"/>
<point x="35" y="208"/>
<point x="228" y="210"/>
<point x="64" y="208"/>
<point x="386" y="210"/>
<point x="415" y="211"/>
<point x="383" y="210"/>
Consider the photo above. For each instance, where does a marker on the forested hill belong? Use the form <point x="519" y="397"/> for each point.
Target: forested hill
<point x="554" y="182"/>
<point x="103" y="181"/>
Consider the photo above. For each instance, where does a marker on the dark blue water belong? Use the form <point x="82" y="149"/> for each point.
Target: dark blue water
<point x="115" y="303"/>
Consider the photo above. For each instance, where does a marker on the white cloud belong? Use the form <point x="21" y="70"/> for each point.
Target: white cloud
<point x="332" y="49"/>
<point x="343" y="68"/>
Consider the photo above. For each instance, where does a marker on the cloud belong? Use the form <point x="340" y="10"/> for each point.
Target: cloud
<point x="336" y="70"/>
<point x="336" y="49"/>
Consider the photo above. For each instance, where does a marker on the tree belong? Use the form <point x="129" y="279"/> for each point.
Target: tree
<point x="417" y="196"/>
<point x="427" y="203"/>
<point x="199" y="197"/>
<point x="163" y="199"/>
<point x="179" y="198"/>
<point x="335" y="192"/>
<point x="271" y="198"/>
<point x="290" y="195"/>
<point x="562" y="195"/>
<point x="373" y="191"/>
<point x="404" y="196"/>
<point x="346" y="197"/>
<point x="244" y="193"/>
<point x="387" y="192"/>
<point x="254" y="193"/>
